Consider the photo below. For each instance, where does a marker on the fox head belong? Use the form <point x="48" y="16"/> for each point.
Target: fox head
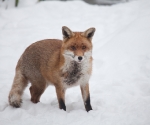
<point x="77" y="46"/>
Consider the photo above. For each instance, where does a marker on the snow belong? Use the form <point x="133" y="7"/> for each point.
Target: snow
<point x="120" y="82"/>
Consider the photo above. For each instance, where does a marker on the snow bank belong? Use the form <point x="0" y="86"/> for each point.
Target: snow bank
<point x="120" y="83"/>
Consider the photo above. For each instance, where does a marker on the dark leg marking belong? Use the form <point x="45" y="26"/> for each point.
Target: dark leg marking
<point x="88" y="104"/>
<point x="62" y="104"/>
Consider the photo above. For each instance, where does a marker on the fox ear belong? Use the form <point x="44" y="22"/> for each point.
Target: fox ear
<point x="67" y="33"/>
<point x="89" y="33"/>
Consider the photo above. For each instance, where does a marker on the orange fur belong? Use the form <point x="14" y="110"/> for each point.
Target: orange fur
<point x="55" y="62"/>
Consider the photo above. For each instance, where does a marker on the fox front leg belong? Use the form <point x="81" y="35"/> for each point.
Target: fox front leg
<point x="86" y="97"/>
<point x="61" y="97"/>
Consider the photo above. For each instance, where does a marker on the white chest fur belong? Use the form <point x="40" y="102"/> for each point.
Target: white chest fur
<point x="75" y="73"/>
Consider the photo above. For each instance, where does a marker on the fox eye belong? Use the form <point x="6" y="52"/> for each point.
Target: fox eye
<point x="73" y="47"/>
<point x="83" y="47"/>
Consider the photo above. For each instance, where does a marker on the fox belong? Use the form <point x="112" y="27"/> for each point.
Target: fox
<point x="62" y="63"/>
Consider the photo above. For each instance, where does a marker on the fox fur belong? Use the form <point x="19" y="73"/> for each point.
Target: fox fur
<point x="62" y="63"/>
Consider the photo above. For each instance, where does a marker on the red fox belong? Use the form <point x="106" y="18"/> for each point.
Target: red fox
<point x="62" y="63"/>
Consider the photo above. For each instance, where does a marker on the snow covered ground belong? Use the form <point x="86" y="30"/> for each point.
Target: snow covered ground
<point x="120" y="83"/>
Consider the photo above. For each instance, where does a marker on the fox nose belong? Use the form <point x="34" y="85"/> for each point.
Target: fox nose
<point x="80" y="58"/>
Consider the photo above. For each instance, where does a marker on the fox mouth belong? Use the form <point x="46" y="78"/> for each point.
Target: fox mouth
<point x="79" y="61"/>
